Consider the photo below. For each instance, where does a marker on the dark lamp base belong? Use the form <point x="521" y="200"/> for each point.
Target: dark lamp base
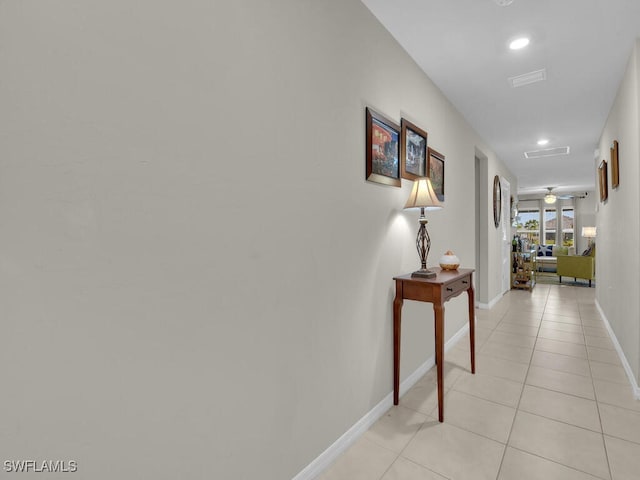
<point x="423" y="274"/>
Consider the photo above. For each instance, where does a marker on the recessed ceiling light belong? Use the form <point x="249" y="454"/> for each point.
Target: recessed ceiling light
<point x="519" y="43"/>
<point x="543" y="141"/>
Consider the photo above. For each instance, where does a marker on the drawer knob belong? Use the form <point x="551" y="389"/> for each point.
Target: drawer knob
<point x="449" y="289"/>
<point x="465" y="282"/>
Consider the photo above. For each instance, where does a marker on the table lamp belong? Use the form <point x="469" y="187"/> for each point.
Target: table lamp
<point x="590" y="233"/>
<point x="423" y="197"/>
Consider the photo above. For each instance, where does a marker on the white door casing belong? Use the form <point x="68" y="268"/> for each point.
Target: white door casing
<point x="506" y="233"/>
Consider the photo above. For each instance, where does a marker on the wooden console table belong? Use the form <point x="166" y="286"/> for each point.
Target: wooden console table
<point x="446" y="285"/>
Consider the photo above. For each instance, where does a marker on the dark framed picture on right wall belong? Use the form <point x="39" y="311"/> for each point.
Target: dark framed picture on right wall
<point x="615" y="173"/>
<point x="603" y="180"/>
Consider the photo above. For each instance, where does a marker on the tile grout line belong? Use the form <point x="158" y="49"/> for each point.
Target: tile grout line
<point x="557" y="463"/>
<point x="400" y="454"/>
<point x="595" y="394"/>
<point x="390" y="465"/>
<point x="542" y="416"/>
<point x="504" y="453"/>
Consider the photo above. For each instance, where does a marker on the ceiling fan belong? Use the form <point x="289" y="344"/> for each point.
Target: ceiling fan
<point x="551" y="197"/>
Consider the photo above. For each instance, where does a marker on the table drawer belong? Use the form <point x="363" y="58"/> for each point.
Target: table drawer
<point x="420" y="292"/>
<point x="457" y="287"/>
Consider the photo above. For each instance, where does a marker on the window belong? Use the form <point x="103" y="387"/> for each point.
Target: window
<point x="567" y="226"/>
<point x="529" y="225"/>
<point x="550" y="226"/>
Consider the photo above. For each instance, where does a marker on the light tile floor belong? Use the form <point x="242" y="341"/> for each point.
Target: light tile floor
<point x="549" y="400"/>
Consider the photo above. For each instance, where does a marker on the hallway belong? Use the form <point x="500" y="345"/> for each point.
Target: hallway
<point x="550" y="400"/>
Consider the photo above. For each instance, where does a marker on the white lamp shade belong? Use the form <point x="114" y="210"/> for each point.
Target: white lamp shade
<point x="423" y="196"/>
<point x="589" y="232"/>
<point x="549" y="198"/>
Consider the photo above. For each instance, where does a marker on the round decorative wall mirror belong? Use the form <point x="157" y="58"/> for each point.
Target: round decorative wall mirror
<point x="497" y="201"/>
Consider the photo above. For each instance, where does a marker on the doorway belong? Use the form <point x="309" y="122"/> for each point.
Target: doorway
<point x="506" y="234"/>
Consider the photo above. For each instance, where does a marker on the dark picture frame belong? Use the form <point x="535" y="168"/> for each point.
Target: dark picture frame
<point x="383" y="149"/>
<point x="602" y="181"/>
<point x="497" y="201"/>
<point x="615" y="173"/>
<point x="413" y="150"/>
<point x="435" y="171"/>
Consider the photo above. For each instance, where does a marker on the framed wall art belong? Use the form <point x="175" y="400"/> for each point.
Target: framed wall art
<point x="602" y="180"/>
<point x="615" y="173"/>
<point x="413" y="151"/>
<point x="383" y="149"/>
<point x="435" y="171"/>
<point x="497" y="201"/>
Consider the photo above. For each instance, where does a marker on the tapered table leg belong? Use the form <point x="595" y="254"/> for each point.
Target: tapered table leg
<point x="439" y="321"/>
<point x="472" y="328"/>
<point x="397" y="317"/>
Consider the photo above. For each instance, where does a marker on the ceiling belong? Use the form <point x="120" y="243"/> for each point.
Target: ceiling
<point x="584" y="45"/>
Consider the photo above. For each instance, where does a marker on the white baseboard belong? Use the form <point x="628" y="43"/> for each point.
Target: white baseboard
<point x="326" y="458"/>
<point x="623" y="358"/>
<point x="491" y="304"/>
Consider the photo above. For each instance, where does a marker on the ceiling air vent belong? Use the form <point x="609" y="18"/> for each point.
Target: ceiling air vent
<point x="547" y="152"/>
<point x="528" y="78"/>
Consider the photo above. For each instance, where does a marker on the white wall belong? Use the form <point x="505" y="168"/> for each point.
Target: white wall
<point x="196" y="280"/>
<point x="618" y="220"/>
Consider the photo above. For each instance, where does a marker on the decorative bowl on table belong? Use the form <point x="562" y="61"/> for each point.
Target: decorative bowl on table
<point x="449" y="261"/>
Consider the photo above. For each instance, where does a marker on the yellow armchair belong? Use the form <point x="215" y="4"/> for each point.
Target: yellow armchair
<point x="577" y="266"/>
